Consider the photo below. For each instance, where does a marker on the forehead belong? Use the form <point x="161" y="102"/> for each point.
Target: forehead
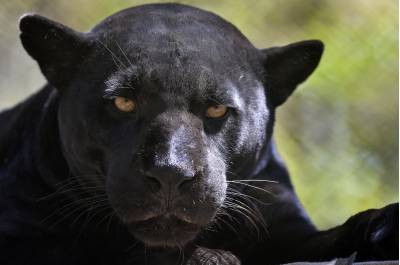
<point x="175" y="35"/>
<point x="177" y="83"/>
<point x="184" y="52"/>
<point x="157" y="25"/>
<point x="176" y="51"/>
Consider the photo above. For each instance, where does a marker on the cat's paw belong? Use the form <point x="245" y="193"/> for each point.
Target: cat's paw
<point x="207" y="256"/>
<point x="376" y="233"/>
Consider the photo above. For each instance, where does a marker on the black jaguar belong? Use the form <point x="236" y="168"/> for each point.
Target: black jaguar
<point x="152" y="144"/>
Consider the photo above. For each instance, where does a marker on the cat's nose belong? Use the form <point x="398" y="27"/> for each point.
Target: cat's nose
<point x="169" y="178"/>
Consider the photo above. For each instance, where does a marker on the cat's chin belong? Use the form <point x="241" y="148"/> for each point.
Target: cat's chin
<point x="164" y="231"/>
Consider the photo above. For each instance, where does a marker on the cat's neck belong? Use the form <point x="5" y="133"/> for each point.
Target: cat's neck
<point x="270" y="165"/>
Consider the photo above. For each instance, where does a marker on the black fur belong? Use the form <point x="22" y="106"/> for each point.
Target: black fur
<point x="83" y="183"/>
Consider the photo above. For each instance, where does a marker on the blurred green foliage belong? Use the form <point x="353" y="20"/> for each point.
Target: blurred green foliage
<point x="338" y="134"/>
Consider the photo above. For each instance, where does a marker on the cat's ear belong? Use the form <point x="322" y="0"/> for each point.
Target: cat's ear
<point x="57" y="48"/>
<point x="287" y="66"/>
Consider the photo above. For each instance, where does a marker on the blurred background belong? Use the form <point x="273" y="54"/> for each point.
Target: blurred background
<point x="338" y="133"/>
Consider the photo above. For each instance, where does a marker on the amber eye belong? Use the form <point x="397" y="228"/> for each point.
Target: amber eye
<point x="125" y="104"/>
<point x="216" y="111"/>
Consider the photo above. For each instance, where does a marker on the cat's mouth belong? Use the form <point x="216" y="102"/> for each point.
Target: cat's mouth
<point x="165" y="230"/>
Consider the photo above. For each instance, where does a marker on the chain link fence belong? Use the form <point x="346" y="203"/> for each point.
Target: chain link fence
<point x="338" y="133"/>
